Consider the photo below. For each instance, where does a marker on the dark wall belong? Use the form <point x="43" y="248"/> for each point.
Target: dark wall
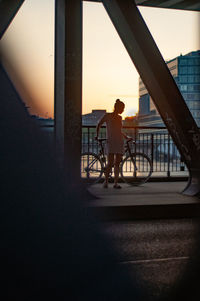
<point x="50" y="248"/>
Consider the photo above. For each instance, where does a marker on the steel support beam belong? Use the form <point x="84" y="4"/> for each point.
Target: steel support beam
<point x="193" y="5"/>
<point x="160" y="84"/>
<point x="8" y="9"/>
<point x="68" y="86"/>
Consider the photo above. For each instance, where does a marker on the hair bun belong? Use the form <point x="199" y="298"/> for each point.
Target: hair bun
<point x="119" y="104"/>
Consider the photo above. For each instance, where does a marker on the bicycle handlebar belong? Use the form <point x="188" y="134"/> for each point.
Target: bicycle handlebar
<point x="100" y="139"/>
<point x="130" y="139"/>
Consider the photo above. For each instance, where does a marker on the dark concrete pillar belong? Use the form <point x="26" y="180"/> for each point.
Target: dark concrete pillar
<point x="68" y="86"/>
<point x="160" y="84"/>
<point x="8" y="9"/>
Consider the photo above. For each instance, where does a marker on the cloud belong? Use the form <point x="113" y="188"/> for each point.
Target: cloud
<point x="123" y="95"/>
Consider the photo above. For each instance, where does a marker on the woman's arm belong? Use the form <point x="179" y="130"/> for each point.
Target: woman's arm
<point x="125" y="136"/>
<point x="101" y="121"/>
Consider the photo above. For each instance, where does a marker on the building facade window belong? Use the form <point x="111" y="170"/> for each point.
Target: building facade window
<point x="197" y="70"/>
<point x="197" y="61"/>
<point x="195" y="113"/>
<point x="183" y="87"/>
<point x="197" y="79"/>
<point x="196" y="87"/>
<point x="191" y="70"/>
<point x="183" y="79"/>
<point x="191" y="61"/>
<point x="191" y="78"/>
<point x="183" y="70"/>
<point x="190" y="87"/>
<point x="183" y="61"/>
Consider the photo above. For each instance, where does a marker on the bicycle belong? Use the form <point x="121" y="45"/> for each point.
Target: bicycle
<point x="135" y="168"/>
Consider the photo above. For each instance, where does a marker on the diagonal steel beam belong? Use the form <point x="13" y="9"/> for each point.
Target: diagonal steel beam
<point x="184" y="4"/>
<point x="160" y="84"/>
<point x="8" y="9"/>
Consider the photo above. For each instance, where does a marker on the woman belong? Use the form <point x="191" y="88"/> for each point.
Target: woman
<point x="115" y="143"/>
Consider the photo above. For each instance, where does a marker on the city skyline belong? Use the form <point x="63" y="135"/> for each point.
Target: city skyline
<point x="27" y="49"/>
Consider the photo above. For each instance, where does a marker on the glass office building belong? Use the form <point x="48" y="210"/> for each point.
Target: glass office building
<point x="186" y="72"/>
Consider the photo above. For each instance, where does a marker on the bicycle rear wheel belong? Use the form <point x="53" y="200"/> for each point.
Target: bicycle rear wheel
<point x="136" y="169"/>
<point x="91" y="167"/>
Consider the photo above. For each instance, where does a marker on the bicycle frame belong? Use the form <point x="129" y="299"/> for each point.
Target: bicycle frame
<point x="127" y="151"/>
<point x="127" y="147"/>
<point x="101" y="153"/>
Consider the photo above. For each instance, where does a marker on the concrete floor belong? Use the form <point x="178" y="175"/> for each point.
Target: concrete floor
<point x="150" y="200"/>
<point x="160" y="255"/>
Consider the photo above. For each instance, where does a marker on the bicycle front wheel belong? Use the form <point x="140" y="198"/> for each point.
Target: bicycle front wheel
<point x="136" y="169"/>
<point x="91" y="167"/>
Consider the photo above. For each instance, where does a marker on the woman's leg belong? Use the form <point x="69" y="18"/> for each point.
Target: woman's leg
<point x="108" y="168"/>
<point x="118" y="158"/>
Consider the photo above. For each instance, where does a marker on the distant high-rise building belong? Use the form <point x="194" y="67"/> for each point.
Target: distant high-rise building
<point x="185" y="70"/>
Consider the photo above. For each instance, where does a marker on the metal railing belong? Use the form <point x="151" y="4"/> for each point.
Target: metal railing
<point x="153" y="141"/>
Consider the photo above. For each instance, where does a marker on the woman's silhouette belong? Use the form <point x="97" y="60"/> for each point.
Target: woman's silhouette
<point x="115" y="143"/>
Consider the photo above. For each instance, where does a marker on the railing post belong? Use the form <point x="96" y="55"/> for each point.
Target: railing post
<point x="152" y="148"/>
<point x="168" y="157"/>
<point x="135" y="148"/>
<point x="88" y="139"/>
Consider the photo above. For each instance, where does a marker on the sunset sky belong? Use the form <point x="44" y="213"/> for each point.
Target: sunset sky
<point x="27" y="50"/>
